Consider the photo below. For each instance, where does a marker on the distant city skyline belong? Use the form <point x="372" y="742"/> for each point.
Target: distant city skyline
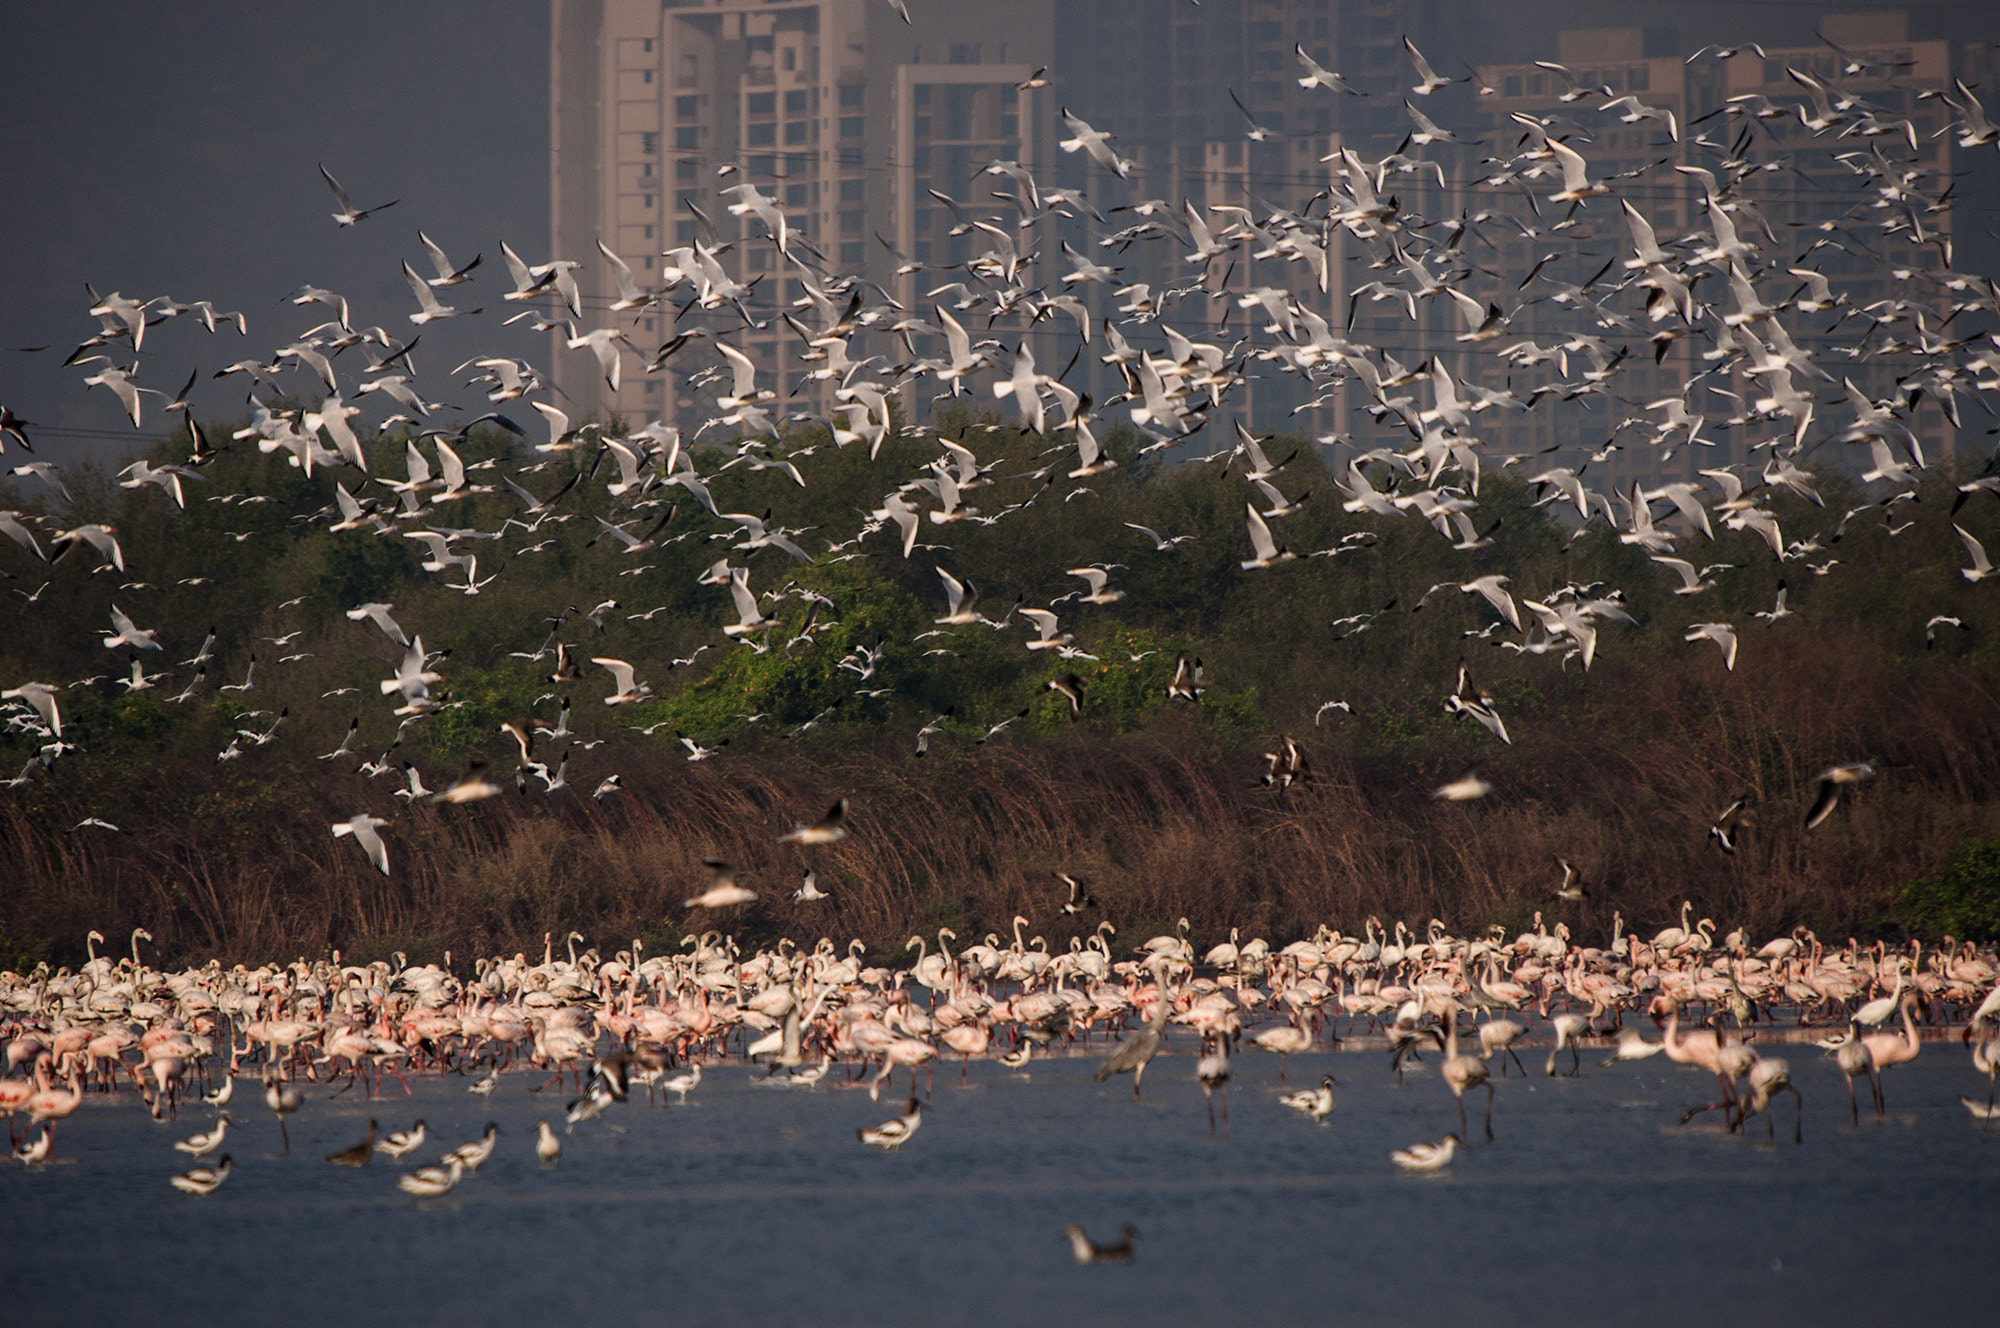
<point x="451" y="112"/>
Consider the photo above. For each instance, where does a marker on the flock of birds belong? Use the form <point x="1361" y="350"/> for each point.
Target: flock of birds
<point x="632" y="1019"/>
<point x="811" y="1018"/>
<point x="1721" y="284"/>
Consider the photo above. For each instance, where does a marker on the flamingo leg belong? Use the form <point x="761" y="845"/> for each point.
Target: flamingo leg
<point x="1489" y="1112"/>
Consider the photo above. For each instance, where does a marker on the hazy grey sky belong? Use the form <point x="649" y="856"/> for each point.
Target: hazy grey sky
<point x="170" y="149"/>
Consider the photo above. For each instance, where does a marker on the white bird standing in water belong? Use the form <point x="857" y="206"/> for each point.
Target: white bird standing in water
<point x="548" y="1146"/>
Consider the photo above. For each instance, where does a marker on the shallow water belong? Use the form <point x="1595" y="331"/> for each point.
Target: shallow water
<point x="756" y="1204"/>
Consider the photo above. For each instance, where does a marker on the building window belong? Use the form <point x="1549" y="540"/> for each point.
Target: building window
<point x="853" y="253"/>
<point x="852" y="126"/>
<point x="964" y="53"/>
<point x="687" y="106"/>
<point x="761" y="103"/>
<point x="649" y="232"/>
<point x="649" y="143"/>
<point x="1010" y="126"/>
<point x="762" y="135"/>
<point x="685" y="232"/>
<point x="851" y="190"/>
<point x="851" y="94"/>
<point x="850" y="222"/>
<point x="795" y="101"/>
<point x="795" y="130"/>
<point x="649" y="200"/>
<point x="684" y="170"/>
<point x="687" y="136"/>
<point x="795" y="195"/>
<point x="791" y="58"/>
<point x="645" y="76"/>
<point x="685" y="199"/>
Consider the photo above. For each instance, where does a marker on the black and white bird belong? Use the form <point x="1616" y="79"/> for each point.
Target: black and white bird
<point x="1832" y="783"/>
<point x="893" y="1134"/>
<point x="1080" y="897"/>
<point x="203" y="1180"/>
<point x="829" y="829"/>
<point x="1572" y="888"/>
<point x="1729" y="824"/>
<point x="1085" y="1250"/>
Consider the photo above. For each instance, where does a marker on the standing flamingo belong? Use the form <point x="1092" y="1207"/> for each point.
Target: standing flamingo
<point x="1213" y="1071"/>
<point x="1857" y="1062"/>
<point x="1889" y="1049"/>
<point x="1463" y="1072"/>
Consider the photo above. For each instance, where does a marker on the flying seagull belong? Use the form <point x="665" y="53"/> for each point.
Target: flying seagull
<point x="363" y="826"/>
<point x="349" y="214"/>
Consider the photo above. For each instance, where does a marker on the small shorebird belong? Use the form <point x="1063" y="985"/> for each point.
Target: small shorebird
<point x="431" y="1182"/>
<point x="893" y="1134"/>
<point x="203" y="1180"/>
<point x="474" y="1154"/>
<point x="1426" y="1157"/>
<point x="547" y="1146"/>
<point x="486" y="1085"/>
<point x="1314" y="1102"/>
<point x="402" y="1141"/>
<point x="684" y="1083"/>
<point x="1088" y="1251"/>
<point x="201" y="1145"/>
<point x="358" y="1154"/>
